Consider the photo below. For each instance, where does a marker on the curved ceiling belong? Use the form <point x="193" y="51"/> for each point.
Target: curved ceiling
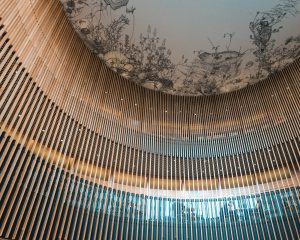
<point x="195" y="48"/>
<point x="72" y="139"/>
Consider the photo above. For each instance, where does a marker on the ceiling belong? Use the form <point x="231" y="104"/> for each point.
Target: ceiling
<point x="196" y="48"/>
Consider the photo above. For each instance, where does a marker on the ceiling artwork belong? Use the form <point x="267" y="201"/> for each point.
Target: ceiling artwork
<point x="193" y="47"/>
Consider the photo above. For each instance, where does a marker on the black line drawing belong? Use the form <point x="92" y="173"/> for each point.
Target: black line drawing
<point x="263" y="27"/>
<point x="108" y="29"/>
<point x="115" y="4"/>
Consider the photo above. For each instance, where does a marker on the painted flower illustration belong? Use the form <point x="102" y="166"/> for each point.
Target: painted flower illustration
<point x="115" y="4"/>
<point x="111" y="30"/>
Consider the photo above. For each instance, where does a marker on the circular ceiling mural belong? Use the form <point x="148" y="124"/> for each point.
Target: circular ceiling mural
<point x="191" y="47"/>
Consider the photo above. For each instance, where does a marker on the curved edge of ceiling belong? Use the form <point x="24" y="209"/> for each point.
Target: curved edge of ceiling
<point x="92" y="88"/>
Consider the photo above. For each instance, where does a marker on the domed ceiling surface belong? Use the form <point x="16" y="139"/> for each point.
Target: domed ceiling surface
<point x="190" y="47"/>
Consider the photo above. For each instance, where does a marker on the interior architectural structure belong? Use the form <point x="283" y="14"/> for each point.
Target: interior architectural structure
<point x="107" y="133"/>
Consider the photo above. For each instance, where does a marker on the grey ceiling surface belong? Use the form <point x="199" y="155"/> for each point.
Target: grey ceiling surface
<point x="192" y="48"/>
